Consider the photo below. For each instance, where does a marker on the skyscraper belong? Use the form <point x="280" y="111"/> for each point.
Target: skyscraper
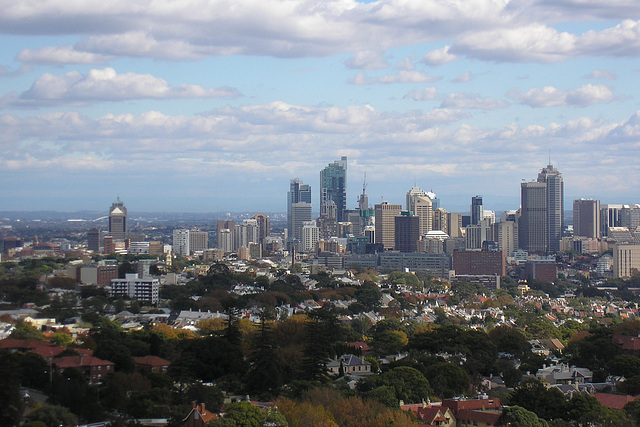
<point x="118" y="220"/>
<point x="298" y="209"/>
<point x="477" y="212"/>
<point x="555" y="205"/>
<point x="407" y="232"/>
<point x="333" y="185"/>
<point x="542" y="212"/>
<point x="586" y="218"/>
<point x="385" y="228"/>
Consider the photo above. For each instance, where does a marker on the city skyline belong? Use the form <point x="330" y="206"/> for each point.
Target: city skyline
<point x="199" y="107"/>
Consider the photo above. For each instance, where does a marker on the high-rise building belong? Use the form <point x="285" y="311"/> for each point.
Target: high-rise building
<point x="328" y="221"/>
<point x="264" y="225"/>
<point x="455" y="225"/>
<point x="309" y="237"/>
<point x="586" y="218"/>
<point x="299" y="194"/>
<point x="626" y="260"/>
<point x="532" y="228"/>
<point x="118" y="220"/>
<point x="440" y="220"/>
<point x="407" y="232"/>
<point x="630" y="217"/>
<point x="609" y="217"/>
<point x="555" y="205"/>
<point x="245" y="233"/>
<point x="225" y="240"/>
<point x="385" y="214"/>
<point x="422" y="208"/>
<point x="542" y="212"/>
<point x="181" y="242"/>
<point x="93" y="240"/>
<point x="504" y="233"/>
<point x="477" y="210"/>
<point x="198" y="241"/>
<point x="333" y="185"/>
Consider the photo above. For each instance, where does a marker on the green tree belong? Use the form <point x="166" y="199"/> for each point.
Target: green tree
<point x="409" y="384"/>
<point x="447" y="379"/>
<point x="368" y="294"/>
<point x="587" y="411"/>
<point x="53" y="416"/>
<point x="534" y="396"/>
<point x="244" y="414"/>
<point x="518" y="416"/>
<point x="24" y="331"/>
<point x="10" y="402"/>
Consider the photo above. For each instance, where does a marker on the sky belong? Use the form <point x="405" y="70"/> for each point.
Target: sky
<point x="212" y="105"/>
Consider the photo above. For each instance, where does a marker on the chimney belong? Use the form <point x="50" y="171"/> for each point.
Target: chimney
<point x="193" y="404"/>
<point x="203" y="410"/>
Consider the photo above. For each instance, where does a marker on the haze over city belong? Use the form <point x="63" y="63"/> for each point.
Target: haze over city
<point x="204" y="107"/>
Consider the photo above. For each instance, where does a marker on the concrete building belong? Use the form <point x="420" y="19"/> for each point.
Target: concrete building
<point x="479" y="263"/>
<point x="555" y="205"/>
<point x="134" y="287"/>
<point x="541" y="268"/>
<point x="586" y="218"/>
<point x="422" y="208"/>
<point x="264" y="225"/>
<point x="225" y="240"/>
<point x="630" y="217"/>
<point x="407" y="232"/>
<point x="309" y="237"/>
<point x="118" y="220"/>
<point x="609" y="217"/>
<point x="532" y="227"/>
<point x="477" y="210"/>
<point x="93" y="240"/>
<point x="246" y="232"/>
<point x="228" y="225"/>
<point x="433" y="242"/>
<point x="436" y="264"/>
<point x="626" y="260"/>
<point x="298" y="209"/>
<point x="198" y="241"/>
<point x="385" y="214"/>
<point x="504" y="233"/>
<point x="181" y="243"/>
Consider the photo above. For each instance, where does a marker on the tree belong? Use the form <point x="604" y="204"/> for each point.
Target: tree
<point x="53" y="416"/>
<point x="368" y="294"/>
<point x="24" y="331"/>
<point x="587" y="411"/>
<point x="518" y="416"/>
<point x="409" y="384"/>
<point x="244" y="414"/>
<point x="10" y="402"/>
<point x="447" y="379"/>
<point x="534" y="396"/>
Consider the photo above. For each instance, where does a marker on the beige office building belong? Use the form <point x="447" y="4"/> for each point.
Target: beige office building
<point x="626" y="260"/>
<point x="385" y="214"/>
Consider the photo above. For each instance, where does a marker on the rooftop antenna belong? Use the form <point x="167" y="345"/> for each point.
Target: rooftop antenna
<point x="549" y="155"/>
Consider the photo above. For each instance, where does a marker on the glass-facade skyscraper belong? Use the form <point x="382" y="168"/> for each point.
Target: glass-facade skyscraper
<point x="333" y="185"/>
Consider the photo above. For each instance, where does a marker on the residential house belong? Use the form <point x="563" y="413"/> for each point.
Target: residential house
<point x="564" y="374"/>
<point x="92" y="368"/>
<point x="351" y="365"/>
<point x="199" y="416"/>
<point x="432" y="415"/>
<point x="152" y="364"/>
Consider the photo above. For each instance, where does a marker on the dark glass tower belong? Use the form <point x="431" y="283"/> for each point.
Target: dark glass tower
<point x="333" y="185"/>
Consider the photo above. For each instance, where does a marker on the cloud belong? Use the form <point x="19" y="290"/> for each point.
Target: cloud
<point x="463" y="78"/>
<point x="421" y="95"/>
<point x="473" y="101"/>
<point x="367" y="60"/>
<point x="549" y="96"/>
<point x="403" y="76"/>
<point x="439" y="56"/>
<point x="61" y="55"/>
<point x="106" y="85"/>
<point x="601" y="74"/>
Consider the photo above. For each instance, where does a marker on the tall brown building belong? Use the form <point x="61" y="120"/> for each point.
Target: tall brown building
<point x="407" y="232"/>
<point x="385" y="214"/>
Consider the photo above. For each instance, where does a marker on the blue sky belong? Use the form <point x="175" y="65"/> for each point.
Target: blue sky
<point x="212" y="105"/>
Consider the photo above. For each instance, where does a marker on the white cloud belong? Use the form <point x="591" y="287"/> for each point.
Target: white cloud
<point x="549" y="96"/>
<point x="403" y="76"/>
<point x="601" y="74"/>
<point x="439" y="56"/>
<point x="421" y="95"/>
<point x="106" y="85"/>
<point x="463" y="100"/>
<point x="61" y="55"/>
<point x="367" y="60"/>
<point x="463" y="78"/>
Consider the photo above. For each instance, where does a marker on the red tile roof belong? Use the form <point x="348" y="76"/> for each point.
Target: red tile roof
<point x="79" y="361"/>
<point x="614" y="401"/>
<point x="47" y="352"/>
<point x="489" y="418"/>
<point x="16" y="344"/>
<point x="151" y="361"/>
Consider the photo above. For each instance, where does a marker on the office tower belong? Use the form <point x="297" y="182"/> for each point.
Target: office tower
<point x="504" y="232"/>
<point x="586" y="218"/>
<point x="225" y="225"/>
<point x="609" y="217"/>
<point x="479" y="262"/>
<point x="225" y="240"/>
<point x="309" y="237"/>
<point x="299" y="195"/>
<point x="407" y="232"/>
<point x="264" y="225"/>
<point x="93" y="240"/>
<point x="198" y="241"/>
<point x="422" y="208"/>
<point x="118" y="220"/>
<point x="181" y="242"/>
<point x="630" y="217"/>
<point x="477" y="234"/>
<point x="246" y="232"/>
<point x="532" y="228"/>
<point x="455" y="225"/>
<point x="412" y="195"/>
<point x="385" y="214"/>
<point x="477" y="210"/>
<point x="440" y="220"/>
<point x="555" y="206"/>
<point x="328" y="221"/>
<point x="333" y="185"/>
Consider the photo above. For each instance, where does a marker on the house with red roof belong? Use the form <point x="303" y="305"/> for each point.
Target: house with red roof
<point x="614" y="401"/>
<point x="92" y="368"/>
<point x="152" y="364"/>
<point x="14" y="344"/>
<point x="431" y="415"/>
<point x="199" y="416"/>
